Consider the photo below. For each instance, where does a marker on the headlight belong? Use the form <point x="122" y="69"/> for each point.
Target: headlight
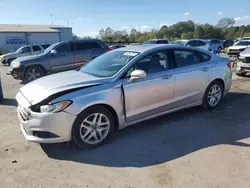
<point x="15" y="64"/>
<point x="56" y="107"/>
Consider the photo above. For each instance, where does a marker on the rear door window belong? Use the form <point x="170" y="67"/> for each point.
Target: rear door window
<point x="36" y="48"/>
<point x="45" y="46"/>
<point x="185" y="58"/>
<point x="79" y="46"/>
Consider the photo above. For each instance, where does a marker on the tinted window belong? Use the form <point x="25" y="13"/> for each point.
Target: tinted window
<point x="186" y="58"/>
<point x="26" y="49"/>
<point x="215" y="42"/>
<point x="64" y="48"/>
<point x="191" y="43"/>
<point x="201" y="43"/>
<point x="79" y="46"/>
<point x="153" y="63"/>
<point x="204" y="57"/>
<point x="162" y="42"/>
<point x="45" y="46"/>
<point x="36" y="48"/>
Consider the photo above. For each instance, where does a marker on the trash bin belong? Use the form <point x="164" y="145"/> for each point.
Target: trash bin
<point x="1" y="89"/>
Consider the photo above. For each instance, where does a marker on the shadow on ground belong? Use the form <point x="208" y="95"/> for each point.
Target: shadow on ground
<point x="8" y="102"/>
<point x="168" y="137"/>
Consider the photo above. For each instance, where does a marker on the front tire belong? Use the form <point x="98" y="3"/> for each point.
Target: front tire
<point x="33" y="73"/>
<point x="93" y="127"/>
<point x="241" y="73"/>
<point x="213" y="95"/>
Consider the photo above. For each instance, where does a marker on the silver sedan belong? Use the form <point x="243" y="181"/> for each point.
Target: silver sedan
<point x="118" y="89"/>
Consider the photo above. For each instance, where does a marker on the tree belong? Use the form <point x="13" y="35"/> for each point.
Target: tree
<point x="225" y="23"/>
<point x="199" y="32"/>
<point x="187" y="35"/>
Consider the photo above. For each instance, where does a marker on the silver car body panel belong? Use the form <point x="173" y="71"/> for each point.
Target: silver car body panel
<point x="131" y="102"/>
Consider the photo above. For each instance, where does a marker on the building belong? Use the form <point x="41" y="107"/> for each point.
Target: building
<point x="13" y="36"/>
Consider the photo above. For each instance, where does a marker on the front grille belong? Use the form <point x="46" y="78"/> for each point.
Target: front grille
<point x="233" y="50"/>
<point x="24" y="115"/>
<point x="246" y="60"/>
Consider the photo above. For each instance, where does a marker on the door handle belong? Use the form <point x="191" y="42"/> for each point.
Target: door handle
<point x="166" y="77"/>
<point x="205" y="69"/>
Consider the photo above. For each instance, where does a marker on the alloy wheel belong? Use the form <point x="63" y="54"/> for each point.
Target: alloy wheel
<point x="94" y="128"/>
<point x="214" y="95"/>
<point x="33" y="74"/>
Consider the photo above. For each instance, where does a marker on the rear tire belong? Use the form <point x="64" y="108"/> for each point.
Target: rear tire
<point x="213" y="95"/>
<point x="241" y="74"/>
<point x="33" y="73"/>
<point x="93" y="127"/>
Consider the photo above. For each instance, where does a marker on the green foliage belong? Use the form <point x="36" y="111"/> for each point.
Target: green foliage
<point x="225" y="23"/>
<point x="181" y="30"/>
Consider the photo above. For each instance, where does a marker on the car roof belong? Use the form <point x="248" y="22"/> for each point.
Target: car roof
<point x="156" y="39"/>
<point x="148" y="47"/>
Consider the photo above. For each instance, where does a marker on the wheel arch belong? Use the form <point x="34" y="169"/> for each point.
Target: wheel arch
<point x="37" y="65"/>
<point x="219" y="80"/>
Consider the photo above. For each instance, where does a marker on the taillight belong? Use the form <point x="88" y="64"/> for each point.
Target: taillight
<point x="109" y="49"/>
<point x="229" y="64"/>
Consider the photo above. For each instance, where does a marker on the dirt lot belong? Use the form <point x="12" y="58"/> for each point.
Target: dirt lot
<point x="191" y="148"/>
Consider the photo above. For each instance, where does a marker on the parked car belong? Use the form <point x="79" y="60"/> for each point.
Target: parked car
<point x="58" y="57"/>
<point x="198" y="43"/>
<point x="238" y="47"/>
<point x="216" y="44"/>
<point x="228" y="43"/>
<point x="23" y="51"/>
<point x="116" y="46"/>
<point x="118" y="89"/>
<point x="156" y="41"/>
<point x="243" y="63"/>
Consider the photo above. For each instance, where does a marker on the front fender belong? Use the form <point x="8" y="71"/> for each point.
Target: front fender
<point x="107" y="94"/>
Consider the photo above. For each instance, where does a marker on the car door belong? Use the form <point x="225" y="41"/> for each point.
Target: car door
<point x="36" y="49"/>
<point x="62" y="60"/>
<point x="152" y="95"/>
<point x="80" y="53"/>
<point x="191" y="75"/>
<point x="25" y="51"/>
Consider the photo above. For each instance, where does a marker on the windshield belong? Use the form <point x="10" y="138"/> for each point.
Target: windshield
<point x="181" y="42"/>
<point x="47" y="50"/>
<point x="242" y="43"/>
<point x="150" y="42"/>
<point x="108" y="64"/>
<point x="19" y="49"/>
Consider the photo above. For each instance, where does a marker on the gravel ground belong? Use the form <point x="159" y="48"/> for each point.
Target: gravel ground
<point x="192" y="148"/>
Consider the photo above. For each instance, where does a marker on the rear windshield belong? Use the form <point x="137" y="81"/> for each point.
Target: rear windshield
<point x="242" y="43"/>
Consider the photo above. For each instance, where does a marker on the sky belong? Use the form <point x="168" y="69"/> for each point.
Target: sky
<point x="87" y="17"/>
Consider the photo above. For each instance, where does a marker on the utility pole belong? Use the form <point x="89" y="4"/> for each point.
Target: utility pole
<point x="68" y="22"/>
<point x="52" y="19"/>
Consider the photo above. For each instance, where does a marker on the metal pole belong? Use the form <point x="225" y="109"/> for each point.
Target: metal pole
<point x="1" y="89"/>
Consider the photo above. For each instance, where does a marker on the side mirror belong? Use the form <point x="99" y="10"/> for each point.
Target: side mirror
<point x="53" y="52"/>
<point x="188" y="45"/>
<point x="21" y="51"/>
<point x="136" y="74"/>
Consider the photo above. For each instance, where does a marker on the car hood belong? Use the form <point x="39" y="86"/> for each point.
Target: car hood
<point x="28" y="58"/>
<point x="245" y="53"/>
<point x="42" y="88"/>
<point x="237" y="47"/>
<point x="10" y="55"/>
